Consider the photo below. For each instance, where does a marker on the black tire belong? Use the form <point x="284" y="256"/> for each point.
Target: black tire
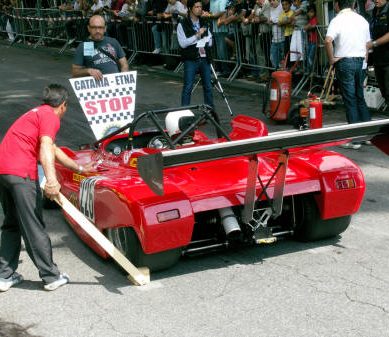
<point x="294" y="117"/>
<point x="309" y="225"/>
<point x="126" y="240"/>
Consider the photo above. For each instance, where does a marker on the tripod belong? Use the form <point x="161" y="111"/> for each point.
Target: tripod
<point x="216" y="84"/>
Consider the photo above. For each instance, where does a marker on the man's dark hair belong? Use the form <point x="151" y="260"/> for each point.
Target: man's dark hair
<point x="230" y="3"/>
<point x="288" y="1"/>
<point x="55" y="94"/>
<point x="311" y="8"/>
<point x="345" y="4"/>
<point x="191" y="3"/>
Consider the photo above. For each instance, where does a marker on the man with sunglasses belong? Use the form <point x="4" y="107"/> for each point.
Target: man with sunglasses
<point x="100" y="54"/>
<point x="31" y="139"/>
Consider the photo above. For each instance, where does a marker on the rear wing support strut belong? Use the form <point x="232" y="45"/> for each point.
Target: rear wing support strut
<point x="278" y="197"/>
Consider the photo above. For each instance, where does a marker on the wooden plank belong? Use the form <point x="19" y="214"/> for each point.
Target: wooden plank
<point x="134" y="274"/>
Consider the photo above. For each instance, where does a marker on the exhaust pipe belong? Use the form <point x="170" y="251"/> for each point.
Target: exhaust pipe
<point x="230" y="224"/>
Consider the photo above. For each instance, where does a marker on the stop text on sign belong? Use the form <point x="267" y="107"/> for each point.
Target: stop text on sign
<point x="108" y="105"/>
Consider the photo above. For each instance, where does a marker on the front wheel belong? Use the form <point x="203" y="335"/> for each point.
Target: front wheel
<point x="126" y="240"/>
<point x="310" y="227"/>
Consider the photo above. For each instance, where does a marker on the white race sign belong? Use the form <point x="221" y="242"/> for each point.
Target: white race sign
<point x="108" y="104"/>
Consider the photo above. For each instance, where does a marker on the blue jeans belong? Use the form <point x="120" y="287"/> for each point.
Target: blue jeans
<point x="311" y="51"/>
<point x="159" y="37"/>
<point x="350" y="76"/>
<point x="221" y="50"/>
<point x="276" y="53"/>
<point x="191" y="68"/>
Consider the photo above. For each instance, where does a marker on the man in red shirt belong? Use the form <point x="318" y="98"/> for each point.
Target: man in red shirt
<point x="29" y="140"/>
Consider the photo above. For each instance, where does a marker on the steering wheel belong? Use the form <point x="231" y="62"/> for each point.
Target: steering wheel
<point x="158" y="142"/>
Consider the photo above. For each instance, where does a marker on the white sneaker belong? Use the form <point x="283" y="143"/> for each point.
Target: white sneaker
<point x="156" y="51"/>
<point x="351" y="145"/>
<point x="14" y="279"/>
<point x="62" y="280"/>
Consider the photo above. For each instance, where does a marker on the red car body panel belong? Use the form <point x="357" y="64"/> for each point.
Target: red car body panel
<point x="121" y="198"/>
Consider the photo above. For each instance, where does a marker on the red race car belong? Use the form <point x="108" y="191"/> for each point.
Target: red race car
<point x="168" y="190"/>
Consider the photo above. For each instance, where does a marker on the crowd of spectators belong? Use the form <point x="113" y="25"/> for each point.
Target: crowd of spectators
<point x="269" y="34"/>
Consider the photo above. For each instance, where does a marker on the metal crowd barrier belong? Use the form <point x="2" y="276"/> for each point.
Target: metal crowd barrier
<point x="74" y="24"/>
<point x="6" y="25"/>
<point x="250" y="54"/>
<point x="141" y="35"/>
<point x="38" y="26"/>
<point x="252" y="50"/>
<point x="320" y="65"/>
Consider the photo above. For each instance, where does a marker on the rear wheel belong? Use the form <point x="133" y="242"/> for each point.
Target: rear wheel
<point x="126" y="240"/>
<point x="309" y="225"/>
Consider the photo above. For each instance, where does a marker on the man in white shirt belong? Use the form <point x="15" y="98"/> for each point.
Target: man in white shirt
<point x="278" y="39"/>
<point x="261" y="13"/>
<point x="349" y="32"/>
<point x="175" y="10"/>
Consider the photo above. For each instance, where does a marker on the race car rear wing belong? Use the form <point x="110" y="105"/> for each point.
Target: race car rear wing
<point x="151" y="167"/>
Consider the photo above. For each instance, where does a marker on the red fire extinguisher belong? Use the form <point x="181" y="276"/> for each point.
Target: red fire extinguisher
<point x="280" y="95"/>
<point x="315" y="113"/>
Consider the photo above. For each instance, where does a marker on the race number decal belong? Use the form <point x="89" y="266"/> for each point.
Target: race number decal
<point x="87" y="197"/>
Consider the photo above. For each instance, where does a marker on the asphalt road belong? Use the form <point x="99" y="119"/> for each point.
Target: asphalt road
<point x="330" y="288"/>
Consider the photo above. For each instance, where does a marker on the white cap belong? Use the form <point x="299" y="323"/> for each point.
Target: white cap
<point x="172" y="121"/>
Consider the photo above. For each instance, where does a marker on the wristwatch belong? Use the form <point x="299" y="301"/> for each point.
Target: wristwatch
<point x="374" y="43"/>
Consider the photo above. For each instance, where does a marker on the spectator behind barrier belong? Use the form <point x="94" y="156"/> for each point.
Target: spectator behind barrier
<point x="298" y="41"/>
<point x="229" y="19"/>
<point x="218" y="8"/>
<point x="76" y="28"/>
<point x="174" y="11"/>
<point x="157" y="9"/>
<point x="7" y="23"/>
<point x="263" y="40"/>
<point x="123" y="19"/>
<point x="278" y="38"/>
<point x="286" y="22"/>
<point x="99" y="54"/>
<point x="116" y="5"/>
<point x="311" y="29"/>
